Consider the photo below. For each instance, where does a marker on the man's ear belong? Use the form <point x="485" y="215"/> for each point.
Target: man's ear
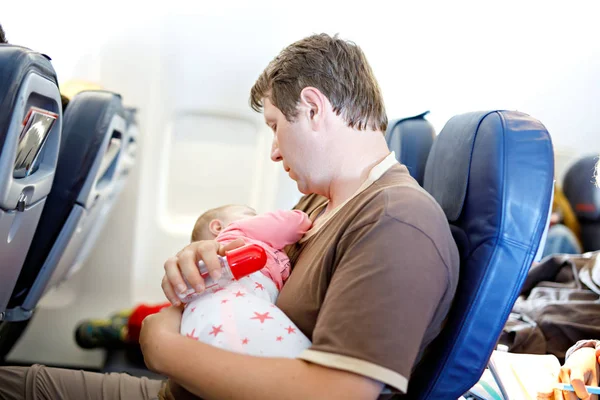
<point x="215" y="227"/>
<point x="313" y="105"/>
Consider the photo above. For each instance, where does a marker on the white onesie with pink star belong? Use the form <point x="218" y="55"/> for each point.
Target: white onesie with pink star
<point x="242" y="316"/>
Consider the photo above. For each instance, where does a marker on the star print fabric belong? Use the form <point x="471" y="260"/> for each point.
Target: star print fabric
<point x="243" y="318"/>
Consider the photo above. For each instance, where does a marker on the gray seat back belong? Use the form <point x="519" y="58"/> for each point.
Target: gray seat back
<point x="30" y="130"/>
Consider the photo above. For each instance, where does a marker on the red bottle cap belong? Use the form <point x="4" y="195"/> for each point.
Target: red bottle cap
<point x="245" y="260"/>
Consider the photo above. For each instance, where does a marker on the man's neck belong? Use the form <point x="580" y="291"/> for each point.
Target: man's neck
<point x="354" y="170"/>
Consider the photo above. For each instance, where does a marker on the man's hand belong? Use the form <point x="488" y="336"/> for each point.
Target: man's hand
<point x="185" y="265"/>
<point x="156" y="329"/>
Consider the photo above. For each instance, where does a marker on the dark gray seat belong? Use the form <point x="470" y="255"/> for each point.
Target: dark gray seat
<point x="30" y="133"/>
<point x="411" y="139"/>
<point x="579" y="187"/>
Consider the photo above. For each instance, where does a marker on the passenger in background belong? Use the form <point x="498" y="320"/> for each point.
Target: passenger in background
<point x="582" y="365"/>
<point x="564" y="233"/>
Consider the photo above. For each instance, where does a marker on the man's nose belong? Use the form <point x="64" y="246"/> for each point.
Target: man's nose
<point x="275" y="154"/>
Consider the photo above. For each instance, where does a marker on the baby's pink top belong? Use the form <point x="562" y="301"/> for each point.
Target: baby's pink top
<point x="272" y="231"/>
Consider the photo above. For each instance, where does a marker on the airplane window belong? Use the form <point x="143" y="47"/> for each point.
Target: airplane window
<point x="212" y="160"/>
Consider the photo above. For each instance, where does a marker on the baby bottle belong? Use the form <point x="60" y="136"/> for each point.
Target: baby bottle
<point x="236" y="264"/>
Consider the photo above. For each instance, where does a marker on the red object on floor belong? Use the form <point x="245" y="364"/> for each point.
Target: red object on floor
<point x="134" y="326"/>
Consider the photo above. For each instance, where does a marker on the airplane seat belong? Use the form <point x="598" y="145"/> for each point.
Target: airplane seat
<point x="411" y="139"/>
<point x="123" y="165"/>
<point x="94" y="125"/>
<point x="30" y="133"/>
<point x="584" y="196"/>
<point x="492" y="173"/>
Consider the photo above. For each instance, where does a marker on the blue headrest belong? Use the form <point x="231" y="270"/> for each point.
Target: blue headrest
<point x="15" y="63"/>
<point x="448" y="176"/>
<point x="580" y="188"/>
<point x="411" y="138"/>
<point x="492" y="173"/>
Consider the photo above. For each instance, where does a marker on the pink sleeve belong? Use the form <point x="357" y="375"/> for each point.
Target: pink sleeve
<point x="277" y="228"/>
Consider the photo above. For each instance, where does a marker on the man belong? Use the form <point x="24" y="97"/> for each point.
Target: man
<point x="372" y="280"/>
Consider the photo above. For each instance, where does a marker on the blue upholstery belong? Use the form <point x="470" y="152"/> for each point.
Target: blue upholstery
<point x="579" y="187"/>
<point x="28" y="154"/>
<point x="93" y="122"/>
<point x="411" y="138"/>
<point x="492" y="173"/>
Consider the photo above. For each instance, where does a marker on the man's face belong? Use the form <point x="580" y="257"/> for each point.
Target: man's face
<point x="297" y="146"/>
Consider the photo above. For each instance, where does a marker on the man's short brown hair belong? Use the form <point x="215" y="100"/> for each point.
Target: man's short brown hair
<point x="338" y="68"/>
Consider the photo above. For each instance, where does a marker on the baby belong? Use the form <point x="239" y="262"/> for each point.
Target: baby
<point x="242" y="316"/>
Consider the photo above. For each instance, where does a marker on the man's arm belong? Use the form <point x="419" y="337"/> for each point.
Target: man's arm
<point x="213" y="373"/>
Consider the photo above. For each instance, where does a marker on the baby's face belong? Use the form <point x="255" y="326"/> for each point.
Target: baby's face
<point x="236" y="213"/>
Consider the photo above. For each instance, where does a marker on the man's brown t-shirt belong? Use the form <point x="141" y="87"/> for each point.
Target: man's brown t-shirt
<point x="372" y="282"/>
